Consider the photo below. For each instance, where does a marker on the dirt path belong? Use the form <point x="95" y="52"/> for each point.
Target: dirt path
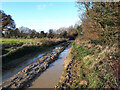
<point x="28" y="73"/>
<point x="50" y="77"/>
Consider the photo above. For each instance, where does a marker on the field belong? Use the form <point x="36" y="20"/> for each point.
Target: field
<point x="18" y="41"/>
<point x="11" y="44"/>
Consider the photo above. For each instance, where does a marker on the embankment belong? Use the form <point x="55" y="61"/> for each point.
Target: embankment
<point x="92" y="66"/>
<point x="27" y="74"/>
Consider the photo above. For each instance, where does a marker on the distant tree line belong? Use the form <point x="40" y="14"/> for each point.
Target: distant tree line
<point x="9" y="30"/>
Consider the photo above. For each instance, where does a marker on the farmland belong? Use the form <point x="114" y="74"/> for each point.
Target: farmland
<point x="17" y="41"/>
<point x="10" y="44"/>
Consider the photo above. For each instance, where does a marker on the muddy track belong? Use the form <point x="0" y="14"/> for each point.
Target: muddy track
<point x="28" y="73"/>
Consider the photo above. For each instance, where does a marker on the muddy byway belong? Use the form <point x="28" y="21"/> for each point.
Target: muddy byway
<point x="50" y="77"/>
<point x="47" y="70"/>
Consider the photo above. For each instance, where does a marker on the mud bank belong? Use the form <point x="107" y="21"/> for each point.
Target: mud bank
<point x="23" y="77"/>
<point x="68" y="59"/>
<point x="26" y="49"/>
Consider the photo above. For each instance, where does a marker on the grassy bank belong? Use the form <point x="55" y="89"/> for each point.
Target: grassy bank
<point x="27" y="48"/>
<point x="9" y="44"/>
<point x="92" y="66"/>
<point x="13" y="41"/>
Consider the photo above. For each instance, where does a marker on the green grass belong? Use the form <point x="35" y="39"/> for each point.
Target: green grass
<point x="86" y="67"/>
<point x="90" y="67"/>
<point x="9" y="44"/>
<point x="92" y="64"/>
<point x="80" y="51"/>
<point x="17" y="41"/>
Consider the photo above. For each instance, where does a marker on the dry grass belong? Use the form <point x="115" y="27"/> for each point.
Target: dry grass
<point x="92" y="66"/>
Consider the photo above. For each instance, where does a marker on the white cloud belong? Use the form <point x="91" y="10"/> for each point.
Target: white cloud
<point x="41" y="7"/>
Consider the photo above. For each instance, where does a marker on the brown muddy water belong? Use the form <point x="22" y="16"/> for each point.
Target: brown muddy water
<point x="28" y="59"/>
<point x="50" y="77"/>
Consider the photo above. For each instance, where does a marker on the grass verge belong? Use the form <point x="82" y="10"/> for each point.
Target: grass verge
<point x="92" y="66"/>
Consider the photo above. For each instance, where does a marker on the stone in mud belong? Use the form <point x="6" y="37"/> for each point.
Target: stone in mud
<point x="22" y="83"/>
<point x="31" y="76"/>
<point x="55" y="54"/>
<point x="26" y="79"/>
<point x="13" y="86"/>
<point x="48" y="58"/>
<point x="25" y="69"/>
<point x="7" y="84"/>
<point x="28" y="68"/>
<point x="45" y="65"/>
<point x="48" y="61"/>
<point x="35" y="64"/>
<point x="43" y="58"/>
<point x="20" y="78"/>
<point x="52" y="57"/>
<point x="42" y="66"/>
<point x="20" y="72"/>
<point x="20" y="75"/>
<point x="36" y="68"/>
<point x="13" y="78"/>
<point x="40" y="60"/>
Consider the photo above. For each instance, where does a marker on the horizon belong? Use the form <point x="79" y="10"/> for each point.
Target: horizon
<point x="42" y="16"/>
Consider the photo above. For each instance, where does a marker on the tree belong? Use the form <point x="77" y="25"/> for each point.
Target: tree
<point x="72" y="32"/>
<point x="23" y="31"/>
<point x="33" y="34"/>
<point x="64" y="34"/>
<point x="26" y="32"/>
<point x="100" y="22"/>
<point x="61" y="32"/>
<point x="79" y="30"/>
<point x="42" y="34"/>
<point x="51" y="34"/>
<point x="7" y="21"/>
<point x="16" y="33"/>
